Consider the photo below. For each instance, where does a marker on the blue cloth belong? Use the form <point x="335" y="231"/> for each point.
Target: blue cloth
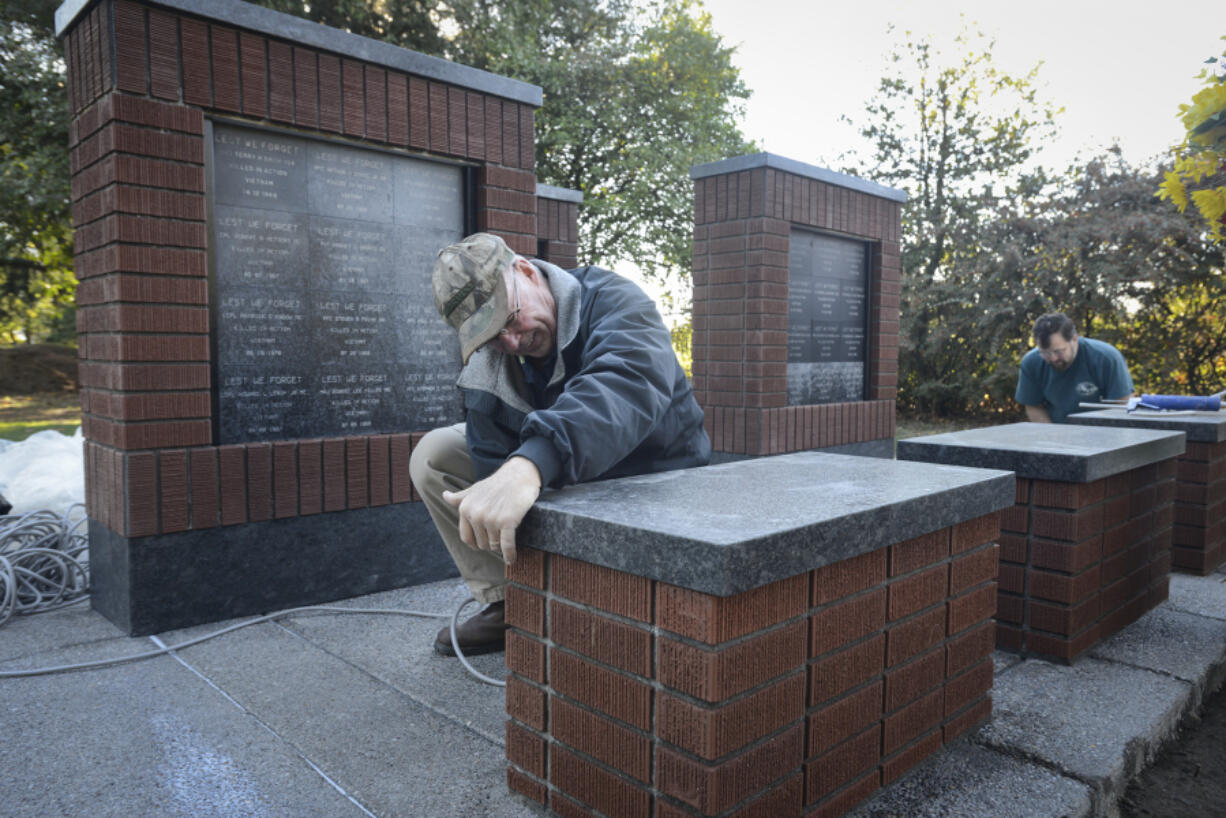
<point x="537" y="378"/>
<point x="1098" y="373"/>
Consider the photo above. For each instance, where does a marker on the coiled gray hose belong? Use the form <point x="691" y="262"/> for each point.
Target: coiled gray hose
<point x="44" y="562"/>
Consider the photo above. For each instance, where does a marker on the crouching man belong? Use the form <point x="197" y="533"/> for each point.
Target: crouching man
<point x="1064" y="370"/>
<point x="569" y="376"/>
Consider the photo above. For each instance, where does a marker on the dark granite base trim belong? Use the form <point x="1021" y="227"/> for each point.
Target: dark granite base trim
<point x="882" y="448"/>
<point x="153" y="584"/>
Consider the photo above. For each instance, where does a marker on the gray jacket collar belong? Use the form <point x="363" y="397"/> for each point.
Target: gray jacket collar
<point x="489" y="370"/>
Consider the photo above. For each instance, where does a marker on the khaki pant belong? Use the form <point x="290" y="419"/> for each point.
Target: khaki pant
<point x="441" y="463"/>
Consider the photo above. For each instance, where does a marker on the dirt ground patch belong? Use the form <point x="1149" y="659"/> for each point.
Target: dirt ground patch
<point x="32" y="369"/>
<point x="1188" y="780"/>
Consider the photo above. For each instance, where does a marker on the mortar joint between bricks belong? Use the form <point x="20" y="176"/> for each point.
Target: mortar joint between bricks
<point x="1028" y="567"/>
<point x="583" y="606"/>
<point x="587" y="708"/>
<point x="646" y="786"/>
<point x="736" y="640"/>
<point x="656" y="633"/>
<point x="735" y="698"/>
<point x="740" y="751"/>
<point x="653" y="707"/>
<point x="146" y="216"/>
<point x="760" y="795"/>
<point x="813" y="660"/>
<point x="938" y="605"/>
<point x="551" y="645"/>
<point x="545" y="783"/>
<point x="928" y="566"/>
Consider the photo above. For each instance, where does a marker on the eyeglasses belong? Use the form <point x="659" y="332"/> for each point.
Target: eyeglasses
<point x="514" y="316"/>
<point x="1055" y="353"/>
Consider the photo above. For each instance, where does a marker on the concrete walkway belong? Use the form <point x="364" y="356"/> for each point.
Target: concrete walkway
<point x="325" y="715"/>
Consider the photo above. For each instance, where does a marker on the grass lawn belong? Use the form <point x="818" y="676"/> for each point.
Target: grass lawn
<point x="905" y="427"/>
<point x="23" y="415"/>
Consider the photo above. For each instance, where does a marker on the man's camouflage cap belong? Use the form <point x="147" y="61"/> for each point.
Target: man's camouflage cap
<point x="470" y="291"/>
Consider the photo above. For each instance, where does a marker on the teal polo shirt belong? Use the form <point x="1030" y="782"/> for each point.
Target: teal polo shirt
<point x="1098" y="373"/>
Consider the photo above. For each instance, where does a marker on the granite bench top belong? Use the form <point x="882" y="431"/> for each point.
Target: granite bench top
<point x="732" y="527"/>
<point x="1047" y="451"/>
<point x="1200" y="427"/>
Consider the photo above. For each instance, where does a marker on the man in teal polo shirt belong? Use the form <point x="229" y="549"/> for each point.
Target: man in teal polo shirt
<point x="1064" y="370"/>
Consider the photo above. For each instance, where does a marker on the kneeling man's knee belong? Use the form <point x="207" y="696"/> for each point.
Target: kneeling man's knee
<point x="440" y="451"/>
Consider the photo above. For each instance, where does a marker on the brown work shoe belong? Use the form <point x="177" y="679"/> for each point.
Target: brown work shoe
<point x="484" y="633"/>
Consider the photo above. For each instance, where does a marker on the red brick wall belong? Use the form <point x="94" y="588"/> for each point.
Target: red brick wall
<point x="805" y="694"/>
<point x="138" y="187"/>
<point x="743" y="221"/>
<point x="1199" y="537"/>
<point x="1080" y="561"/>
<point x="557" y="227"/>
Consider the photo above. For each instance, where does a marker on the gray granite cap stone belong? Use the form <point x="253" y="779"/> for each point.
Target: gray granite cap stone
<point x="771" y="160"/>
<point x="732" y="527"/>
<point x="1047" y="451"/>
<point x="1200" y="427"/>
<point x="559" y="194"/>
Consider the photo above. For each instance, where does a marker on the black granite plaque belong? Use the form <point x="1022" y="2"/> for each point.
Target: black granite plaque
<point x="324" y="315"/>
<point x="827" y="325"/>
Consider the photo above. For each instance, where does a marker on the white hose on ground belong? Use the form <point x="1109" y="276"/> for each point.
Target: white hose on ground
<point x="43" y="562"/>
<point x="44" y="565"/>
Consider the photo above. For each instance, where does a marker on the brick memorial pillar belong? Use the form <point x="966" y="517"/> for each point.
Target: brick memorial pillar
<point x="258" y="200"/>
<point x="557" y="225"/>
<point x="1085" y="549"/>
<point x="775" y="636"/>
<point x="1198" y="539"/>
<point x="796" y="288"/>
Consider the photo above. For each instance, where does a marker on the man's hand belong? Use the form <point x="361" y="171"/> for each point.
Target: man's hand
<point x="491" y="509"/>
<point x="1038" y="414"/>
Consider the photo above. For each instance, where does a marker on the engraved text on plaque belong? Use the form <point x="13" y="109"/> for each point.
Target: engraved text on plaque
<point x="324" y="314"/>
<point x="827" y="308"/>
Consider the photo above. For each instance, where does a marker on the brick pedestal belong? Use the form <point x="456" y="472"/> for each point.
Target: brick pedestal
<point x="1199" y="538"/>
<point x="1199" y="535"/>
<point x="628" y="695"/>
<point x="1079" y="561"/>
<point x="1083" y="556"/>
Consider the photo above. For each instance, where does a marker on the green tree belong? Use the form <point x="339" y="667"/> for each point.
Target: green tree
<point x="36" y="279"/>
<point x="630" y="105"/>
<point x="1127" y="268"/>
<point x="1200" y="162"/>
<point x="1180" y="340"/>
<point x="409" y="23"/>
<point x="959" y="136"/>
<point x="634" y="95"/>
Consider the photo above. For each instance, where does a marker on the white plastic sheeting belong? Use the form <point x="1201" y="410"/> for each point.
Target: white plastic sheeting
<point x="44" y="471"/>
